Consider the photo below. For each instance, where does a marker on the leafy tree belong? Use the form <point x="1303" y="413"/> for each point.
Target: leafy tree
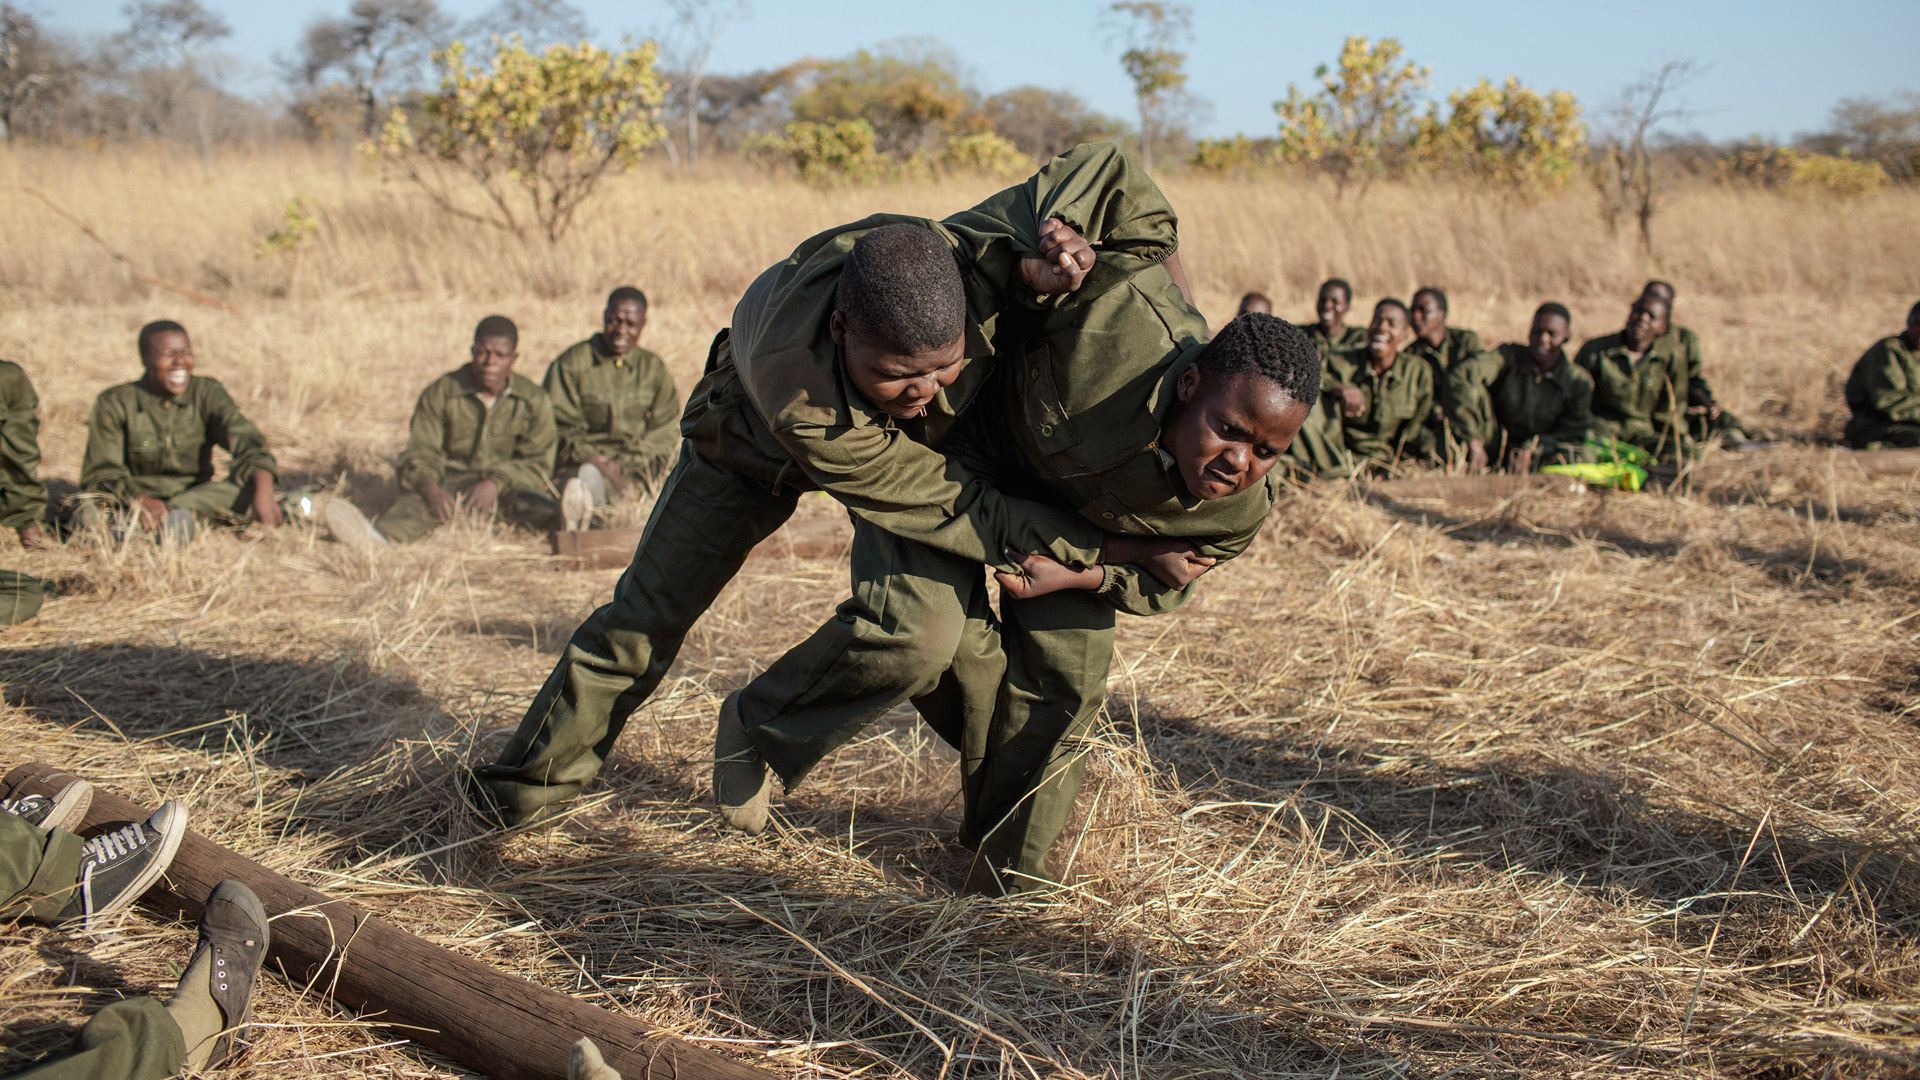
<point x="1236" y="155"/>
<point x="909" y="95"/>
<point x="1044" y="122"/>
<point x="1803" y="172"/>
<point x="1357" y="125"/>
<point x="378" y="49"/>
<point x="534" y="133"/>
<point x="987" y="153"/>
<point x="1511" y="137"/>
<point x="830" y="152"/>
<point x="1886" y="131"/>
<point x="1153" y="32"/>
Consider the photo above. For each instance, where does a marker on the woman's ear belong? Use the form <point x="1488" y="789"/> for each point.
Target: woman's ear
<point x="1188" y="382"/>
<point x="837" y="326"/>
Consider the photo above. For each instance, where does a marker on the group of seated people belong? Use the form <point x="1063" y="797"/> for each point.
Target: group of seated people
<point x="483" y="441"/>
<point x="1518" y="406"/>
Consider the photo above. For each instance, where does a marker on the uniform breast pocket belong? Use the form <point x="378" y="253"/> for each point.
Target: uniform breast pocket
<point x="143" y="446"/>
<point x="597" y="414"/>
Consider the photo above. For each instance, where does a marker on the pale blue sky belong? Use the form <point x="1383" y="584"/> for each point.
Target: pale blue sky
<point x="1775" y="68"/>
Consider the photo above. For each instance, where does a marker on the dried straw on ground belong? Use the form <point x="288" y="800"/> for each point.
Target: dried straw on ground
<point x="1570" y="785"/>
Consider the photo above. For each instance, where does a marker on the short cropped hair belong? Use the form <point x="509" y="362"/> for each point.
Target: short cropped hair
<point x="1260" y="344"/>
<point x="1914" y="310"/>
<point x="1664" y="289"/>
<point x="498" y="326"/>
<point x="623" y="294"/>
<point x="1392" y="302"/>
<point x="1551" y="308"/>
<point x="155" y="329"/>
<point x="901" y="288"/>
<point x="1338" y="283"/>
<point x="1439" y="297"/>
<point x="1256" y="298"/>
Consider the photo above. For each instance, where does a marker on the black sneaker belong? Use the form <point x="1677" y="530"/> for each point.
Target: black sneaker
<point x="233" y="930"/>
<point x="65" y="809"/>
<point x="120" y="865"/>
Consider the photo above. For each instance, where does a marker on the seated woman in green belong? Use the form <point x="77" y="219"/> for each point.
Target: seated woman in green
<point x="1883" y="392"/>
<point x="150" y="445"/>
<point x="1384" y="402"/>
<point x="1523" y="406"/>
<point x="615" y="408"/>
<point x="481" y="442"/>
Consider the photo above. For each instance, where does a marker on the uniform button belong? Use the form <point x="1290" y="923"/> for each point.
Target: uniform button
<point x="1046" y="430"/>
<point x="1107" y="514"/>
<point x="1035" y="372"/>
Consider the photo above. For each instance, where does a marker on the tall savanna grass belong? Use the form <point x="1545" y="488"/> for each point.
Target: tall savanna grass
<point x="1785" y="291"/>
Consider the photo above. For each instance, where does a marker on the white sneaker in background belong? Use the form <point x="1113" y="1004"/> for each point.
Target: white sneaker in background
<point x="350" y="527"/>
<point x="596" y="484"/>
<point x="576" y="505"/>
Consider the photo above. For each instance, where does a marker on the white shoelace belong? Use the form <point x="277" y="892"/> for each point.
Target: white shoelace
<point x="113" y="845"/>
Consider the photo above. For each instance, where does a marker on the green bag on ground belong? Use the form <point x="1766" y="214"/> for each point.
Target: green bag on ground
<point x="1609" y="474"/>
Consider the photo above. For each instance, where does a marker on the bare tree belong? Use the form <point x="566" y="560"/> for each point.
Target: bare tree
<point x="378" y="49"/>
<point x="165" y="33"/>
<point x="538" y="23"/>
<point x="1152" y="31"/>
<point x="1631" y="180"/>
<point x="28" y="66"/>
<point x="697" y="28"/>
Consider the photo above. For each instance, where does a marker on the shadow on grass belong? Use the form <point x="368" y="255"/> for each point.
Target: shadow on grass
<point x="1791" y="564"/>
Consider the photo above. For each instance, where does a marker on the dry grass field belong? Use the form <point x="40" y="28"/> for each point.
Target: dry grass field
<point x="1571" y="785"/>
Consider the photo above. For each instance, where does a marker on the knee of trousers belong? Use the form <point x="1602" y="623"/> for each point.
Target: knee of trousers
<point x="911" y="654"/>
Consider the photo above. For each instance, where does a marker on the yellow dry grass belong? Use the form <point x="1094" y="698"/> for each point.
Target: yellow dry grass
<point x="1575" y="785"/>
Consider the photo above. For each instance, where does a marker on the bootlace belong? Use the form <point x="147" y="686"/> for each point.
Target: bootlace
<point x="117" y="844"/>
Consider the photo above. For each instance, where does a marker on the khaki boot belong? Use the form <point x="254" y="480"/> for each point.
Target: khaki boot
<point x="742" y="783"/>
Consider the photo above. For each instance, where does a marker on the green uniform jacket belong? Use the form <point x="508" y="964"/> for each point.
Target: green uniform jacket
<point x="139" y="443"/>
<point x="1394" y="425"/>
<point x="455" y="440"/>
<point x="810" y="427"/>
<point x="621" y="407"/>
<point x="1883" y="389"/>
<point x="1645" y="406"/>
<point x="1078" y="408"/>
<point x="23" y="498"/>
<point x="1351" y="337"/>
<point x="1502" y="399"/>
<point x="1456" y="348"/>
<point x="1686" y="344"/>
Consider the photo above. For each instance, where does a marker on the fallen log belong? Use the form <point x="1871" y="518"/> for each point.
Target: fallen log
<point x="490" y="1021"/>
<point x="827" y="537"/>
<point x="1482" y="490"/>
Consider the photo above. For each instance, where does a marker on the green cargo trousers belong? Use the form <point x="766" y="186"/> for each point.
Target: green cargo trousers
<point x="409" y="518"/>
<point x="216" y="502"/>
<point x="20" y="597"/>
<point x="128" y="1040"/>
<point x="1873" y="433"/>
<point x="1033" y="752"/>
<point x="134" y="1039"/>
<point x="38" y="869"/>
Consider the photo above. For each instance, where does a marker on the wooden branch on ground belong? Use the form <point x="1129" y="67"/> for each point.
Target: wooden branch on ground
<point x="492" y="1022"/>
<point x="147" y="279"/>
<point x="1481" y="490"/>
